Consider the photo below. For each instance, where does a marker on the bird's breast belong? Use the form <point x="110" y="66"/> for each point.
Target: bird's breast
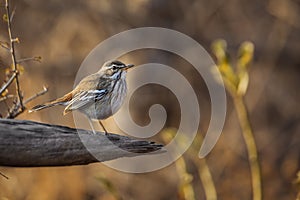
<point x="110" y="103"/>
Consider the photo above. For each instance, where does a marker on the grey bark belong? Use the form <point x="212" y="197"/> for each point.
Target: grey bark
<point x="32" y="144"/>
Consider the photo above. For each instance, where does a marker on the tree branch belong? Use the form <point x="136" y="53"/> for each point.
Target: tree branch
<point x="32" y="144"/>
<point x="13" y="55"/>
<point x="44" y="91"/>
<point x="6" y="85"/>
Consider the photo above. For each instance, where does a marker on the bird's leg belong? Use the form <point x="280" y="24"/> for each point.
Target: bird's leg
<point x="103" y="127"/>
<point x="92" y="126"/>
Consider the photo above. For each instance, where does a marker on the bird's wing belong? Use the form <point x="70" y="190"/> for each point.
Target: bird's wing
<point x="85" y="98"/>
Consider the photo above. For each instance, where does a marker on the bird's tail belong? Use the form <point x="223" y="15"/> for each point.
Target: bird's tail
<point x="60" y="101"/>
<point x="43" y="106"/>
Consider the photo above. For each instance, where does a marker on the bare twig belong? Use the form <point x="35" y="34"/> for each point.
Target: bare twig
<point x="13" y="14"/>
<point x="15" y="110"/>
<point x="6" y="97"/>
<point x="7" y="84"/>
<point x="185" y="190"/>
<point x="44" y="91"/>
<point x="4" y="45"/>
<point x="35" y="58"/>
<point x="203" y="170"/>
<point x="13" y="57"/>
<point x="1" y="174"/>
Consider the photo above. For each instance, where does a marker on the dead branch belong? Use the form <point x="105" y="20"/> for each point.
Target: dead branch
<point x="13" y="55"/>
<point x="32" y="144"/>
<point x="42" y="92"/>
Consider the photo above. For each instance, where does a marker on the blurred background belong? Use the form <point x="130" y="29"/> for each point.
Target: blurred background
<point x="64" y="32"/>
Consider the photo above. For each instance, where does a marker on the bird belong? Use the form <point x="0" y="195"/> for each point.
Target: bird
<point x="98" y="96"/>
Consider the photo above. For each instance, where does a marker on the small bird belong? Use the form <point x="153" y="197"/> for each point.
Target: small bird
<point x="98" y="95"/>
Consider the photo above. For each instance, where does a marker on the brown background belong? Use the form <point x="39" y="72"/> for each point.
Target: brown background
<point x="64" y="32"/>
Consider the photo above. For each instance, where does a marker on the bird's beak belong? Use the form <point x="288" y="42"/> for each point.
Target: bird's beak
<point x="128" y="66"/>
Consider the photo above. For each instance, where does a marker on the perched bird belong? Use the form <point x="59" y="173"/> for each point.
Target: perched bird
<point x="98" y="95"/>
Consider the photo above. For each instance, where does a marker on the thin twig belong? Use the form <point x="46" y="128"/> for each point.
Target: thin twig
<point x="204" y="173"/>
<point x="35" y="58"/>
<point x="15" y="110"/>
<point x="4" y="45"/>
<point x="185" y="190"/>
<point x="1" y="174"/>
<point x="45" y="89"/>
<point x="7" y="84"/>
<point x="203" y="170"/>
<point x="13" y="57"/>
<point x="13" y="13"/>
<point x="6" y="97"/>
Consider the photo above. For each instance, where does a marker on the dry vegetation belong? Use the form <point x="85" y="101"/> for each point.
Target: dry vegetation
<point x="63" y="33"/>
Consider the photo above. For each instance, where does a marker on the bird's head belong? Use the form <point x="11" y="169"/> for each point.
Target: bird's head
<point x="114" y="69"/>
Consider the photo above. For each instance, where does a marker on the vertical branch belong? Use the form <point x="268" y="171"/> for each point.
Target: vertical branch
<point x="207" y="180"/>
<point x="18" y="106"/>
<point x="13" y="55"/>
<point x="242" y="114"/>
<point x="185" y="190"/>
<point x="236" y="82"/>
<point x="203" y="170"/>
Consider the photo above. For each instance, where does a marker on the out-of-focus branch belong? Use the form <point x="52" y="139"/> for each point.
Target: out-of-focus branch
<point x="6" y="97"/>
<point x="236" y="81"/>
<point x="18" y="105"/>
<point x="4" y="45"/>
<point x="3" y="175"/>
<point x="244" y="122"/>
<point x="185" y="189"/>
<point x="44" y="91"/>
<point x="35" y="58"/>
<point x="203" y="170"/>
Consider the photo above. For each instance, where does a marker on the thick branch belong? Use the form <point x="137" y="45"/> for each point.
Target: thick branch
<point x="32" y="144"/>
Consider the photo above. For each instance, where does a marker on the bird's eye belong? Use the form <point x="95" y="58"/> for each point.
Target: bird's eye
<point x="114" y="67"/>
